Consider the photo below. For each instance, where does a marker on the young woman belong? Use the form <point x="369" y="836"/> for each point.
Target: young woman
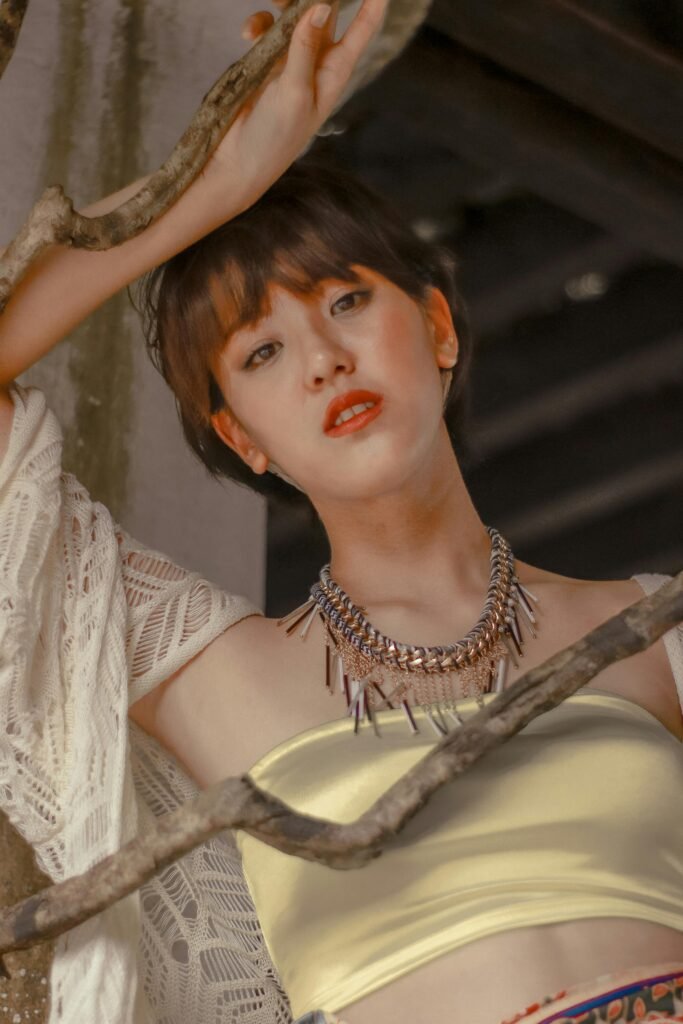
<point x="312" y="343"/>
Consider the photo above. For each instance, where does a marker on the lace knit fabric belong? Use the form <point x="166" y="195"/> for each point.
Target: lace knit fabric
<point x="89" y="622"/>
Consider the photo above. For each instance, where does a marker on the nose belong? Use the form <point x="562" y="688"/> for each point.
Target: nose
<point x="326" y="358"/>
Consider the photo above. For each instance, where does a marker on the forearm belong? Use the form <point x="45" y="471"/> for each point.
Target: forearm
<point x="65" y="285"/>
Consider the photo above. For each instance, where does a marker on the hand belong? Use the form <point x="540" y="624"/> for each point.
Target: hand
<point x="276" y="123"/>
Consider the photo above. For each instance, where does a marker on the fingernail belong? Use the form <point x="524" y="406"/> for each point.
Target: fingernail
<point x="320" y="15"/>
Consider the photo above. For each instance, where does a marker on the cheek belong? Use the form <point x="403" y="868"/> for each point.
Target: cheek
<point x="403" y="345"/>
<point x="264" y="421"/>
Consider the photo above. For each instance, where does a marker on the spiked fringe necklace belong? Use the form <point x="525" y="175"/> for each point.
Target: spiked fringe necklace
<point x="364" y="664"/>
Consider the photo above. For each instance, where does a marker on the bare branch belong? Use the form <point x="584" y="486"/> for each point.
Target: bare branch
<point x="11" y="17"/>
<point x="53" y="219"/>
<point x="238" y="803"/>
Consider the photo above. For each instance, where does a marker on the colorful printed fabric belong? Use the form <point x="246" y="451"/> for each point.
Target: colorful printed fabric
<point x="318" y="1017"/>
<point x="650" y="999"/>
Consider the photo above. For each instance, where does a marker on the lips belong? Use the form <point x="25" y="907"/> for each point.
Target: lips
<point x="349" y="412"/>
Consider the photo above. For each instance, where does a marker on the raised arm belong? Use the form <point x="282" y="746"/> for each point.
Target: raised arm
<point x="65" y="285"/>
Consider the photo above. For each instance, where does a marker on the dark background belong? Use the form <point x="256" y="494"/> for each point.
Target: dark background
<point x="542" y="141"/>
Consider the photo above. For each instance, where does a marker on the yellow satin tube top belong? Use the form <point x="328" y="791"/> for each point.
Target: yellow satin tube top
<point x="579" y="815"/>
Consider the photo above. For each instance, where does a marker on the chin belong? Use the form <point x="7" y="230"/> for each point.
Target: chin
<point x="377" y="466"/>
<point x="375" y="478"/>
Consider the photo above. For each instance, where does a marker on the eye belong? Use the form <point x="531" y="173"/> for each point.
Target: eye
<point x="350" y="295"/>
<point x="261" y="355"/>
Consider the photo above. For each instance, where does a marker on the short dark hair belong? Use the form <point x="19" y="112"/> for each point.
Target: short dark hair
<point x="313" y="223"/>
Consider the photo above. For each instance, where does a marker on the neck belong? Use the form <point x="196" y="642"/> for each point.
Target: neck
<point x="423" y="546"/>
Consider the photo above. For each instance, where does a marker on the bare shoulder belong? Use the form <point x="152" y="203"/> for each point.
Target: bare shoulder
<point x="229" y="659"/>
<point x="227" y="705"/>
<point x="581" y="605"/>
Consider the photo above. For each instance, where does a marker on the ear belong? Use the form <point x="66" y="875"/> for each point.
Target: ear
<point x="233" y="434"/>
<point x="444" y="336"/>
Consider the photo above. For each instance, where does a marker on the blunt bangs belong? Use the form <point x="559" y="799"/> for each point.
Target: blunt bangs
<point x="313" y="224"/>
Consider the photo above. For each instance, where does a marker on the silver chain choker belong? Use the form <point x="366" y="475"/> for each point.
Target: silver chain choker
<point x="374" y="672"/>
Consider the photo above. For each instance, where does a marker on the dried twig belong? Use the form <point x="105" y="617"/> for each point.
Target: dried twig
<point x="238" y="803"/>
<point x="11" y="17"/>
<point x="53" y="219"/>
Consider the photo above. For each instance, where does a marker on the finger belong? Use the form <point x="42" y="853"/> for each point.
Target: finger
<point x="332" y="27"/>
<point x="304" y="48"/>
<point x="343" y="56"/>
<point x="366" y="25"/>
<point x="256" y="24"/>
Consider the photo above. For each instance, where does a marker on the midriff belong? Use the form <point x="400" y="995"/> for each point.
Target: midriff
<point x="496" y="977"/>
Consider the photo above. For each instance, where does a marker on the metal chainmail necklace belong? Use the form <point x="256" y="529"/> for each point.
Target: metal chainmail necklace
<point x="364" y="663"/>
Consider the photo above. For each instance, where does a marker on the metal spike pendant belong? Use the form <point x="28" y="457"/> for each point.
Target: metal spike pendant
<point x="515" y="632"/>
<point x="298" y="612"/>
<point x="381" y="693"/>
<point x="455" y="715"/>
<point x="436" y="726"/>
<point x="501" y="675"/>
<point x="328" y="669"/>
<point x="505" y="637"/>
<point x="294" y="622"/>
<point x="530" y="617"/>
<point x="409" y="715"/>
<point x="307" y="623"/>
<point x="523" y="602"/>
<point x="526" y="592"/>
<point x="374" y="672"/>
<point x="372" y="718"/>
<point x="438" y="711"/>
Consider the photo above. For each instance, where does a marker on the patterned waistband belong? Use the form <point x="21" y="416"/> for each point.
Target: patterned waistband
<point x="659" y="998"/>
<point x="647" y="999"/>
<point x="318" y="1017"/>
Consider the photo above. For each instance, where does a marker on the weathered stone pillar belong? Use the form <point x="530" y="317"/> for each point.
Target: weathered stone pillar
<point x="95" y="96"/>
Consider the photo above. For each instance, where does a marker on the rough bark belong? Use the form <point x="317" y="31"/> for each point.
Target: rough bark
<point x="581" y="55"/>
<point x="238" y="803"/>
<point x="540" y="142"/>
<point x="53" y="219"/>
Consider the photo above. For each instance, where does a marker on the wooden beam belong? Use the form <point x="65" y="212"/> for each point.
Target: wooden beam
<point x="517" y="256"/>
<point x="583" y="505"/>
<point x="545" y="145"/>
<point x="526" y="292"/>
<point x="610" y="459"/>
<point x="640" y="537"/>
<point x="579" y="55"/>
<point x="558" y="407"/>
<point x="641" y="311"/>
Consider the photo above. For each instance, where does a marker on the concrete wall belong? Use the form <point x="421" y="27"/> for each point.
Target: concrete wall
<point x="96" y="95"/>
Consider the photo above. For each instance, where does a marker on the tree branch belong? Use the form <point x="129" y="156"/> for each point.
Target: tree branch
<point x="238" y="803"/>
<point x="11" y="17"/>
<point x="53" y="219"/>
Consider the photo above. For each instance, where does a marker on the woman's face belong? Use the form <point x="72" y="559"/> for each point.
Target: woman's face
<point x="295" y="382"/>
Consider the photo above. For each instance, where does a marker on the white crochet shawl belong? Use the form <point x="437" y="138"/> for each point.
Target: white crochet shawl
<point x="89" y="622"/>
